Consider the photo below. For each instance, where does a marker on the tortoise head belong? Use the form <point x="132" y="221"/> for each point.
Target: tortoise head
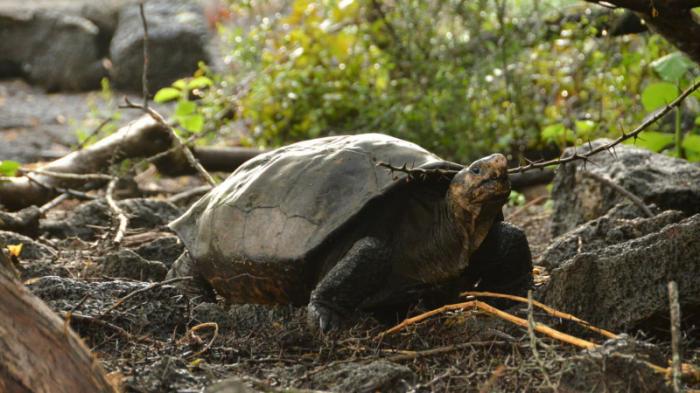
<point x="477" y="194"/>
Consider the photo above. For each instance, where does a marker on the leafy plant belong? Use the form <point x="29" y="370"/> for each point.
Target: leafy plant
<point x="188" y="113"/>
<point x="9" y="168"/>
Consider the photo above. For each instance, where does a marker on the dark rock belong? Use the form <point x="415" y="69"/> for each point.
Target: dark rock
<point x="619" y="365"/>
<point x="87" y="219"/>
<point x="55" y="50"/>
<point x="669" y="183"/>
<point x="624" y="285"/>
<point x="25" y="221"/>
<point x="603" y="232"/>
<point x="128" y="264"/>
<point x="165" y="249"/>
<point x="378" y="376"/>
<point x="31" y="250"/>
<point x="177" y="35"/>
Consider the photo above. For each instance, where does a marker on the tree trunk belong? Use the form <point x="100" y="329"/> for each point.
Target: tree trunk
<point x="673" y="19"/>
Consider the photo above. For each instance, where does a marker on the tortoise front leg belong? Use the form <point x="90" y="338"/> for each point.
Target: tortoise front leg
<point x="358" y="275"/>
<point x="503" y="262"/>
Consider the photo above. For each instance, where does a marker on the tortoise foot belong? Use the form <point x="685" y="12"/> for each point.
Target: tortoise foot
<point x="322" y="318"/>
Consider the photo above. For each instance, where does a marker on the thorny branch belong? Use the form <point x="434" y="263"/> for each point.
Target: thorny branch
<point x="653" y="118"/>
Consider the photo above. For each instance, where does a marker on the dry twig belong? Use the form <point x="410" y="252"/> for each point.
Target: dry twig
<point x="545" y="308"/>
<point x="201" y="326"/>
<point x="488" y="309"/>
<point x="675" y="335"/>
<point x="121" y="216"/>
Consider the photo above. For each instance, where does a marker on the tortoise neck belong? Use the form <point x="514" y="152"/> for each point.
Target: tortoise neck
<point x="472" y="222"/>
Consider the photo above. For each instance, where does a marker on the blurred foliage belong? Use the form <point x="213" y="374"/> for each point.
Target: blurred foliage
<point x="461" y="78"/>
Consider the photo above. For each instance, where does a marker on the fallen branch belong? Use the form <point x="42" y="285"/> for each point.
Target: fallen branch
<point x="479" y="305"/>
<point x="545" y="308"/>
<point x="688" y="371"/>
<point x="140" y="138"/>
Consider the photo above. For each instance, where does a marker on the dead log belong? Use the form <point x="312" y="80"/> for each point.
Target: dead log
<point x="214" y="159"/>
<point x="38" y="352"/>
<point x="141" y="138"/>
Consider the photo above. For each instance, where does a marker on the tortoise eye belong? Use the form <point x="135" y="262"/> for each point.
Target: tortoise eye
<point x="476" y="169"/>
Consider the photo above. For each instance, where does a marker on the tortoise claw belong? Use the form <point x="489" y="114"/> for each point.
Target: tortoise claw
<point x="322" y="318"/>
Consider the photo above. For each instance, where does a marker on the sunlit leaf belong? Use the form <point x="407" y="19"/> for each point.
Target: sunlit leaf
<point x="180" y="84"/>
<point x="200" y="82"/>
<point x="658" y="94"/>
<point x="167" y="94"/>
<point x="192" y="123"/>
<point x="9" y="168"/>
<point x="185" y="108"/>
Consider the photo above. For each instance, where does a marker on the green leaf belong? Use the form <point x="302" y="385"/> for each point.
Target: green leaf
<point x="167" y="94"/>
<point x="185" y="108"/>
<point x="658" y="94"/>
<point x="584" y="128"/>
<point x="556" y="132"/>
<point x="9" y="168"/>
<point x="691" y="145"/>
<point x="652" y="140"/>
<point x="200" y="82"/>
<point x="180" y="84"/>
<point x="672" y="67"/>
<point x="192" y="123"/>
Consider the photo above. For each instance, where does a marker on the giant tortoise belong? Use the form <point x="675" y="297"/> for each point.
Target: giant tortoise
<point x="320" y="223"/>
